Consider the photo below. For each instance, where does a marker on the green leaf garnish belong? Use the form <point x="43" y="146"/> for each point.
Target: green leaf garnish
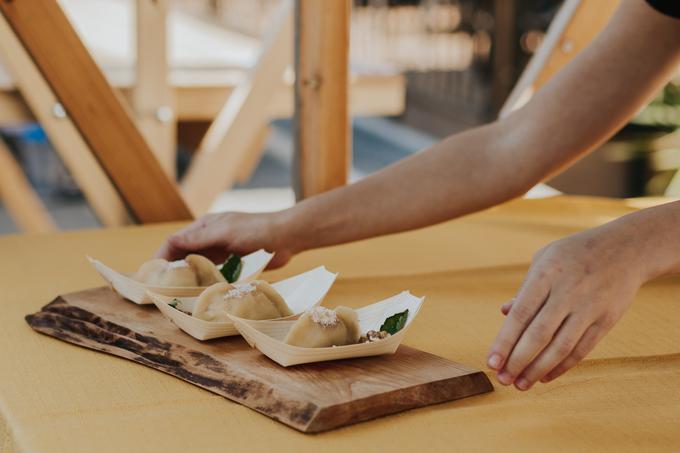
<point x="395" y="323"/>
<point x="175" y="303"/>
<point x="231" y="269"/>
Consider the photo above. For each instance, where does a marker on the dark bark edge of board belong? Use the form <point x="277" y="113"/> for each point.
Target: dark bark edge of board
<point x="75" y="325"/>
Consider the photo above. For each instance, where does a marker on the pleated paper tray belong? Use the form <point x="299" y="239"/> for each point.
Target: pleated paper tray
<point x="301" y="292"/>
<point x="267" y="336"/>
<point x="131" y="289"/>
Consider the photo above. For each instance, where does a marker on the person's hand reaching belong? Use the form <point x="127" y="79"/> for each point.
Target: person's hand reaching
<point x="215" y="236"/>
<point x="575" y="291"/>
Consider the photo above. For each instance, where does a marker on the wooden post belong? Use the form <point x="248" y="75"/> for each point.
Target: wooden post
<point x="322" y="124"/>
<point x="573" y="28"/>
<point x="152" y="96"/>
<point x="220" y="156"/>
<point x="16" y="193"/>
<point x="72" y="149"/>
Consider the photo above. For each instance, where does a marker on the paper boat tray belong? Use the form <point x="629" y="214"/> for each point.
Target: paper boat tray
<point x="309" y="398"/>
<point x="135" y="291"/>
<point x="300" y="292"/>
<point x="267" y="336"/>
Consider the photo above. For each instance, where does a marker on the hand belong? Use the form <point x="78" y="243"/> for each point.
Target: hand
<point x="575" y="291"/>
<point x="217" y="235"/>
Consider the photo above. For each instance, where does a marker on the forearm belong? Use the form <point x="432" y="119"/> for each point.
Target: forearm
<point x="577" y="110"/>
<point x="646" y="240"/>
<point x="464" y="173"/>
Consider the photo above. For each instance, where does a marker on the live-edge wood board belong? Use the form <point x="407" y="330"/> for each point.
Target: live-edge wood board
<point x="309" y="398"/>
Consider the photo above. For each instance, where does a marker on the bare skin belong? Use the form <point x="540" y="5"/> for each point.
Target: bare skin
<point x="578" y="287"/>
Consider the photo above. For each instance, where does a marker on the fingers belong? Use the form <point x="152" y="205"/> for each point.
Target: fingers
<point x="562" y="346"/>
<point x="529" y="300"/>
<point x="537" y="335"/>
<point x="201" y="234"/>
<point x="590" y="338"/>
<point x="168" y="252"/>
<point x="206" y="234"/>
<point x="505" y="308"/>
<point x="280" y="259"/>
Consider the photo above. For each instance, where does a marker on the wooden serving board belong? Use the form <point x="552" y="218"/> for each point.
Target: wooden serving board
<point x="309" y="398"/>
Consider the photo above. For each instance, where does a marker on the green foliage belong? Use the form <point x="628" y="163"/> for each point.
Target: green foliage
<point x="395" y="323"/>
<point x="232" y="267"/>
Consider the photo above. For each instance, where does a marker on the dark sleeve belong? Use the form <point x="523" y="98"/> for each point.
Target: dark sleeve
<point x="667" y="7"/>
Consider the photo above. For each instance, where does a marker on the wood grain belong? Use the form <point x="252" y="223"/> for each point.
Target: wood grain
<point x="309" y="398"/>
<point x="96" y="110"/>
<point x="322" y="148"/>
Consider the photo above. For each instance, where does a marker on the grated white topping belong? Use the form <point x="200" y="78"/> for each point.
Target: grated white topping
<point x="177" y="264"/>
<point x="239" y="291"/>
<point x="324" y="316"/>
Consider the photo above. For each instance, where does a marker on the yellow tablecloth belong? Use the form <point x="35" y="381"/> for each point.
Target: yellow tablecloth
<point x="626" y="397"/>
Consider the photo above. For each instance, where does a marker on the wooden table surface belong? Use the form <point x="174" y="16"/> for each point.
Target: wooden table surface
<point x="625" y="397"/>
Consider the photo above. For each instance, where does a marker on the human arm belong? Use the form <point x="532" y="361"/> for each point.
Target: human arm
<point x="576" y="111"/>
<point x="577" y="288"/>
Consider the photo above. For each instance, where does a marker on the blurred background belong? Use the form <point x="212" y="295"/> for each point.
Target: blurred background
<point x="426" y="68"/>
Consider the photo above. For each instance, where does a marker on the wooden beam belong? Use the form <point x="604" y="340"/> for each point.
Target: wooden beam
<point x="13" y="110"/>
<point x="72" y="149"/>
<point x="218" y="160"/>
<point x="322" y="125"/>
<point x="16" y="193"/>
<point x="152" y="96"/>
<point x="95" y="109"/>
<point x="369" y="95"/>
<point x="254" y="155"/>
<point x="573" y="28"/>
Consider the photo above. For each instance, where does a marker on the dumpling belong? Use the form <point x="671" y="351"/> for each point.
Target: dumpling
<point x="322" y="328"/>
<point x="194" y="270"/>
<point x="206" y="272"/>
<point x="256" y="300"/>
<point x="159" y="272"/>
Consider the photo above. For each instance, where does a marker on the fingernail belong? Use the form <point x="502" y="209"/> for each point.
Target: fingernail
<point x="494" y="361"/>
<point x="504" y="378"/>
<point x="523" y="384"/>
